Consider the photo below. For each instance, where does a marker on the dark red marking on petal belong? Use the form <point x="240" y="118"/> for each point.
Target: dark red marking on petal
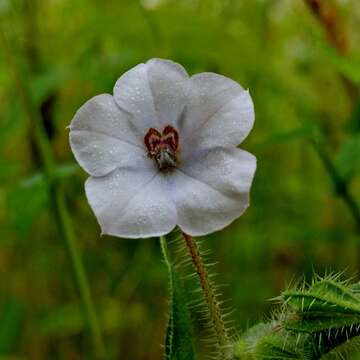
<point x="152" y="141"/>
<point x="171" y="137"/>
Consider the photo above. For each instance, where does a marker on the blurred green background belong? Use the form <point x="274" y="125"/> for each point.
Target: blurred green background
<point x="303" y="70"/>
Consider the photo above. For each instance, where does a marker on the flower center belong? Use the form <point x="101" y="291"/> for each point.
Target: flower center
<point x="162" y="147"/>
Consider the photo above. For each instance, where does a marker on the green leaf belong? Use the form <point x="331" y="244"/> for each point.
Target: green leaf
<point x="329" y="311"/>
<point x="315" y="321"/>
<point x="179" y="333"/>
<point x="326" y="298"/>
<point x="270" y="341"/>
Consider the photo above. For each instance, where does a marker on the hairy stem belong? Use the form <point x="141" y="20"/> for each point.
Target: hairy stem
<point x="57" y="199"/>
<point x="216" y="317"/>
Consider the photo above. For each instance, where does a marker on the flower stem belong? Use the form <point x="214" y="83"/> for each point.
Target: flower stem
<point x="216" y="316"/>
<point x="57" y="199"/>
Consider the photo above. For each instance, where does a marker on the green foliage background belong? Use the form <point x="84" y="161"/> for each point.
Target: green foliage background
<point x="297" y="222"/>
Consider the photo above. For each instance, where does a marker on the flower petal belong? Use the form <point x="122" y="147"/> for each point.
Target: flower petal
<point x="132" y="93"/>
<point x="131" y="203"/>
<point x="154" y="93"/>
<point x="219" y="112"/>
<point x="212" y="190"/>
<point x="169" y="84"/>
<point x="102" y="137"/>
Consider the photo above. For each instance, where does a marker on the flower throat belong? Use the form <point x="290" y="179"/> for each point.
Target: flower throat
<point x="162" y="147"/>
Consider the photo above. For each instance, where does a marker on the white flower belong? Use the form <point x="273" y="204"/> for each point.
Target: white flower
<point x="162" y="151"/>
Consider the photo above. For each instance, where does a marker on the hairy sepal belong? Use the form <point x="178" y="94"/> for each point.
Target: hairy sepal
<point x="316" y="321"/>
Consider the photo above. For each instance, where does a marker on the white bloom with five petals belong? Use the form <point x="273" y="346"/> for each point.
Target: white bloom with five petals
<point x="161" y="152"/>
